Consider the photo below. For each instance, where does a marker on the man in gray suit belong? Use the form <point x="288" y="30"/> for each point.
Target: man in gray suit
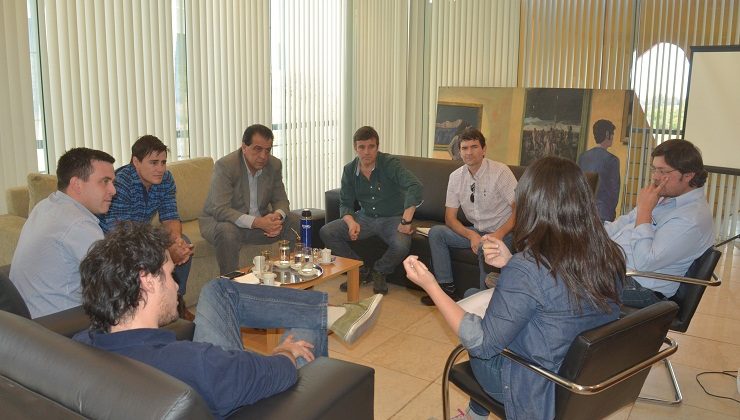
<point x="247" y="203"/>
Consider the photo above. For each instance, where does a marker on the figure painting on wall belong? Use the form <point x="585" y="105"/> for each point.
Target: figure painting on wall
<point x="552" y="124"/>
<point x="452" y="119"/>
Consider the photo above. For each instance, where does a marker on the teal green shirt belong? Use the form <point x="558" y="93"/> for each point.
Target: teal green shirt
<point x="390" y="190"/>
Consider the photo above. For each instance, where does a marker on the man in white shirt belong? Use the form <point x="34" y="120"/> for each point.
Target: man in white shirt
<point x="485" y="190"/>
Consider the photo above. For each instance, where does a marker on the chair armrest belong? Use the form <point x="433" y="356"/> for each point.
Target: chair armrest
<point x="605" y="384"/>
<point x="679" y="279"/>
<point x="67" y="323"/>
<point x="572" y="386"/>
<point x="327" y="389"/>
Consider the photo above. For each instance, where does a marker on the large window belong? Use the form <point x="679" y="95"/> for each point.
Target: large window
<point x="38" y="105"/>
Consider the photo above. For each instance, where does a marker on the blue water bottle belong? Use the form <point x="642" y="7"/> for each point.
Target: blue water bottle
<point x="306" y="228"/>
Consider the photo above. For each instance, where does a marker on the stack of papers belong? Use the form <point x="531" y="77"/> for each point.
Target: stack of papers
<point x="422" y="231"/>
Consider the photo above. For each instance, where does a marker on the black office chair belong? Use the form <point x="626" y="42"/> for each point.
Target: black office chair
<point x="699" y="276"/>
<point x="603" y="370"/>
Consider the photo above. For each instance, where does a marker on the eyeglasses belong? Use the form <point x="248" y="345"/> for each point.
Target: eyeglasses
<point x="472" y="193"/>
<point x="661" y="171"/>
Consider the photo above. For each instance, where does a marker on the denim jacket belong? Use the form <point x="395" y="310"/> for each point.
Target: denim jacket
<point x="530" y="314"/>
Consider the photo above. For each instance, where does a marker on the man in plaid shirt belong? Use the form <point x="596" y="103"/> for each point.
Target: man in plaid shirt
<point x="145" y="187"/>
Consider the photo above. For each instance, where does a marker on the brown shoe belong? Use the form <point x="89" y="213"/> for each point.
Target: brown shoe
<point x="182" y="309"/>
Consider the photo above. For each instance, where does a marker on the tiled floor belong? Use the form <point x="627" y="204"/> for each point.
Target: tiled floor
<point x="408" y="347"/>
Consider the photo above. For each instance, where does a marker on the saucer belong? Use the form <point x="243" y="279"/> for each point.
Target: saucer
<point x="333" y="258"/>
<point x="308" y="272"/>
<point x="297" y="266"/>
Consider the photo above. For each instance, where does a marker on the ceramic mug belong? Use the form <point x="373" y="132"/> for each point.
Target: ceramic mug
<point x="268" y="279"/>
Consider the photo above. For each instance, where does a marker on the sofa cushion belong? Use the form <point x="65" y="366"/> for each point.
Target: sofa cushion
<point x="17" y="200"/>
<point x="40" y="186"/>
<point x="193" y="179"/>
<point x="10" y="232"/>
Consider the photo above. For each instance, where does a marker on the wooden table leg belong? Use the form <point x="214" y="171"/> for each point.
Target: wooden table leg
<point x="353" y="285"/>
<point x="273" y="338"/>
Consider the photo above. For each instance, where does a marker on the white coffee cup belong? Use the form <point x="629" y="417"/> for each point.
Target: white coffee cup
<point x="325" y="256"/>
<point x="268" y="279"/>
<point x="259" y="263"/>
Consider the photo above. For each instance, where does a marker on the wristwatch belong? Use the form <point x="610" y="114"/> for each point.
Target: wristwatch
<point x="405" y="222"/>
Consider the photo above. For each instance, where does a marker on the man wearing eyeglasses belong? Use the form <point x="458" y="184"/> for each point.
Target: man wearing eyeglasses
<point x="484" y="189"/>
<point x="247" y="202"/>
<point x="671" y="225"/>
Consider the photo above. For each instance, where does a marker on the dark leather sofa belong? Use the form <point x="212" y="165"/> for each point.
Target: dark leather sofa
<point x="433" y="174"/>
<point x="44" y="374"/>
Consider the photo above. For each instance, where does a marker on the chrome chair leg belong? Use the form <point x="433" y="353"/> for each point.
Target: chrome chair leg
<point x="676" y="389"/>
<point x="446" y="380"/>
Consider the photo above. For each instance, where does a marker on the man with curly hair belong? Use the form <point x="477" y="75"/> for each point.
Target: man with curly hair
<point x="128" y="292"/>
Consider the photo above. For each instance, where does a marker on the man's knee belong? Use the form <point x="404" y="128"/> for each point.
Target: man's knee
<point x="227" y="233"/>
<point x="332" y="230"/>
<point x="438" y="233"/>
<point x="213" y="292"/>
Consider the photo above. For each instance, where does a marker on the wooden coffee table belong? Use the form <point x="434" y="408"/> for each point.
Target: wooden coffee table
<point x="264" y="341"/>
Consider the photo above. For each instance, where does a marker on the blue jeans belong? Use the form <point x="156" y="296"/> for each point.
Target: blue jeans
<point x="637" y="296"/>
<point x="225" y="306"/>
<point x="441" y="239"/>
<point x="336" y="237"/>
<point x="182" y="272"/>
<point x="488" y="374"/>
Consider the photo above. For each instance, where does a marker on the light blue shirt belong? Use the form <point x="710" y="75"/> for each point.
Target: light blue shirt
<point x="46" y="264"/>
<point x="680" y="232"/>
<point x="246" y="220"/>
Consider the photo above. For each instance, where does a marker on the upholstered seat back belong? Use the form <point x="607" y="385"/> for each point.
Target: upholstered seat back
<point x="10" y="299"/>
<point x="688" y="295"/>
<point x="597" y="354"/>
<point x="40" y="365"/>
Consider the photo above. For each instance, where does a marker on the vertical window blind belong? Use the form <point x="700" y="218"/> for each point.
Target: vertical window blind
<point x="108" y="74"/>
<point x="228" y="72"/>
<point x="308" y="85"/>
<point x="16" y="108"/>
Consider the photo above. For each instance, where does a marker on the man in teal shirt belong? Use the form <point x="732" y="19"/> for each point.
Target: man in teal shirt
<point x="388" y="195"/>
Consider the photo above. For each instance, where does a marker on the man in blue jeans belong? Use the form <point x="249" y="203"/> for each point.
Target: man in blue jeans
<point x="484" y="189"/>
<point x="388" y="195"/>
<point x="128" y="293"/>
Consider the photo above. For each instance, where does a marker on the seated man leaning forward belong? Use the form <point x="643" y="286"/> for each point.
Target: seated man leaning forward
<point x="485" y="190"/>
<point x="144" y="188"/>
<point x="60" y="230"/>
<point x="671" y="225"/>
<point x="388" y="195"/>
<point x="128" y="293"/>
<point x="247" y="202"/>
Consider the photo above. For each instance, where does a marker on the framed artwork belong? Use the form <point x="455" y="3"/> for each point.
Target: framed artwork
<point x="452" y="119"/>
<point x="555" y="123"/>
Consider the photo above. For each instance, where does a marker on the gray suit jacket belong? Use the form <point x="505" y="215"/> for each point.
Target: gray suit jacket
<point x="228" y="197"/>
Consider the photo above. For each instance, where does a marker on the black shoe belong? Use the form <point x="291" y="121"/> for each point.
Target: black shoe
<point x="448" y="288"/>
<point x="379" y="284"/>
<point x="364" y="278"/>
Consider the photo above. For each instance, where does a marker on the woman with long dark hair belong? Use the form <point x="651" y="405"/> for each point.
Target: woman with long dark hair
<point x="566" y="278"/>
